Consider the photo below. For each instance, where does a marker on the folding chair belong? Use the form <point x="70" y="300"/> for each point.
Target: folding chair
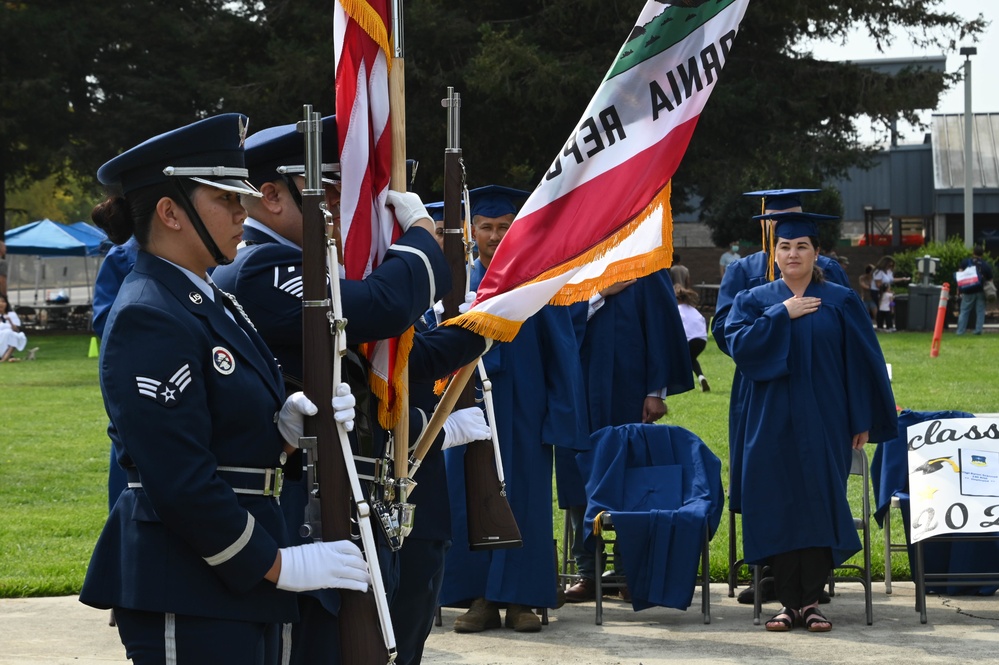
<point x="859" y="573"/>
<point x="617" y="581"/>
<point x="890" y="482"/>
<point x="28" y="316"/>
<point x="734" y="563"/>
<point x="890" y="545"/>
<point x="659" y="488"/>
<point x="862" y="573"/>
<point x="952" y="579"/>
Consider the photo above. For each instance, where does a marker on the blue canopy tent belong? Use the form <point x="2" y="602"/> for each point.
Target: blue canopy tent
<point x="47" y="239"/>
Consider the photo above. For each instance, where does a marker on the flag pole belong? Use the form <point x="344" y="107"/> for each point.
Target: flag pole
<point x="397" y="182"/>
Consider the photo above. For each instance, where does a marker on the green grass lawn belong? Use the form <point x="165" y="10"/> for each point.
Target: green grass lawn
<point x="54" y="450"/>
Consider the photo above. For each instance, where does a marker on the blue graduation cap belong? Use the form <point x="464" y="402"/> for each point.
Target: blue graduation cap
<point x="436" y="210"/>
<point x="496" y="200"/>
<point x="277" y="151"/>
<point x="781" y="199"/>
<point x="209" y="151"/>
<point x="796" y="224"/>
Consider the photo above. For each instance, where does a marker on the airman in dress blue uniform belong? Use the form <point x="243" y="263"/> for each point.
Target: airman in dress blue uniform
<point x="266" y="278"/>
<point x="194" y="557"/>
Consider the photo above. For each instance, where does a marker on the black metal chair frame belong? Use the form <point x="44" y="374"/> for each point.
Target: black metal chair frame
<point x="618" y="581"/>
<point x="950" y="579"/>
<point x="858" y="573"/>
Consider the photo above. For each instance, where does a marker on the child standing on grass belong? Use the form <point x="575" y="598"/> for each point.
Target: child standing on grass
<point x="886" y="310"/>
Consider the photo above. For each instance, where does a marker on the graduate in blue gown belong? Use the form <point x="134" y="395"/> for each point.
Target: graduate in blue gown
<point x="743" y="274"/>
<point x="817" y="388"/>
<point x="537" y="389"/>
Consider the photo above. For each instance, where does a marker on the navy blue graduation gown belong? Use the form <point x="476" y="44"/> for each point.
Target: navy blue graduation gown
<point x="187" y="390"/>
<point x="539" y="403"/>
<point x="663" y="486"/>
<point x="745" y="273"/>
<point x="812" y="383"/>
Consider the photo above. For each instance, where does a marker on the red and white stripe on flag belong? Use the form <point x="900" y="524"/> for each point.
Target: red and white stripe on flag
<point x="601" y="213"/>
<point x="363" y="58"/>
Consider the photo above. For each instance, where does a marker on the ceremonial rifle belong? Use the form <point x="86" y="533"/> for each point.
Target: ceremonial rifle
<point x="491" y="524"/>
<point x="332" y="476"/>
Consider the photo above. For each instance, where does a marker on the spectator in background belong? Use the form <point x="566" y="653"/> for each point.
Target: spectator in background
<point x="696" y="329"/>
<point x="884" y="276"/>
<point x="973" y="297"/>
<point x="728" y="258"/>
<point x="3" y="268"/>
<point x="679" y="274"/>
<point x="866" y="281"/>
<point x="11" y="336"/>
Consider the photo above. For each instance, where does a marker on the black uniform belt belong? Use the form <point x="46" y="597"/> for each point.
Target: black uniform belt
<point x="242" y="479"/>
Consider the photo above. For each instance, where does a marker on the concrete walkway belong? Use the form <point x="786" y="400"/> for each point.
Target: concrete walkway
<point x="960" y="630"/>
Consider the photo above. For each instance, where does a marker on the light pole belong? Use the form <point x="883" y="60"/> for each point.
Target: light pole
<point x="969" y="162"/>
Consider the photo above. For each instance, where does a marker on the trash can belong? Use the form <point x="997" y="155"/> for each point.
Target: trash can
<point x="924" y="300"/>
<point x="902" y="311"/>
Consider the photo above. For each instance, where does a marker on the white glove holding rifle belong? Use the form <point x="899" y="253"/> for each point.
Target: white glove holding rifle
<point x="464" y="426"/>
<point x="332" y="565"/>
<point x="291" y="419"/>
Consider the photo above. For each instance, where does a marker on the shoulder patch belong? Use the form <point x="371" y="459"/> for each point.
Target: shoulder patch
<point x="288" y="279"/>
<point x="166" y="392"/>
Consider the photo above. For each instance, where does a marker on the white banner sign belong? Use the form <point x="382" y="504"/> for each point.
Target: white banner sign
<point x="954" y="477"/>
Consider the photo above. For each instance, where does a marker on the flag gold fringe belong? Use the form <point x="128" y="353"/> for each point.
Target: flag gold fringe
<point x="365" y="16"/>
<point x="504" y="330"/>
<point x="573" y="293"/>
<point x="389" y="411"/>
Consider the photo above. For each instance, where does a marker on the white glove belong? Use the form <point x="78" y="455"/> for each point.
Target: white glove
<point x="408" y="207"/>
<point x="291" y="420"/>
<point x="464" y="426"/>
<point x="467" y="305"/>
<point x="343" y="406"/>
<point x="333" y="565"/>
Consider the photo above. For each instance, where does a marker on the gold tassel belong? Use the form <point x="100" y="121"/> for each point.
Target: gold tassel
<point x="368" y="19"/>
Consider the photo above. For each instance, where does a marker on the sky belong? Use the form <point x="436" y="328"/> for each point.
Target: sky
<point x="984" y="91"/>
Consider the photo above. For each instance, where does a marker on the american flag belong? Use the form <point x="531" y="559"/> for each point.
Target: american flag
<point x="363" y="59"/>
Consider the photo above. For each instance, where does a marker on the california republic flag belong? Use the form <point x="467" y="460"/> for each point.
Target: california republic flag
<point x="601" y="213"/>
<point x="361" y="52"/>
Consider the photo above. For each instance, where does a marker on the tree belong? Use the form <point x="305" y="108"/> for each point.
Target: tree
<point x="81" y="81"/>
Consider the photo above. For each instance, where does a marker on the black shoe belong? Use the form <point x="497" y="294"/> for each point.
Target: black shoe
<point x="747" y="596"/>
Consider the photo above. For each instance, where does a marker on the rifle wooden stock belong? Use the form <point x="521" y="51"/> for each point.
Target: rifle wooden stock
<point x="360" y="637"/>
<point x="491" y="524"/>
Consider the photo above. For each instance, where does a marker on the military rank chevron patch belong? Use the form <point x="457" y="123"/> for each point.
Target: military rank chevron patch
<point x="166" y="392"/>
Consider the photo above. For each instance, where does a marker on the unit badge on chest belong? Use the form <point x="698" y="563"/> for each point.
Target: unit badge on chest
<point x="223" y="360"/>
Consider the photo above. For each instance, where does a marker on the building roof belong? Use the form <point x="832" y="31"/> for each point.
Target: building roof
<point x="948" y="150"/>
